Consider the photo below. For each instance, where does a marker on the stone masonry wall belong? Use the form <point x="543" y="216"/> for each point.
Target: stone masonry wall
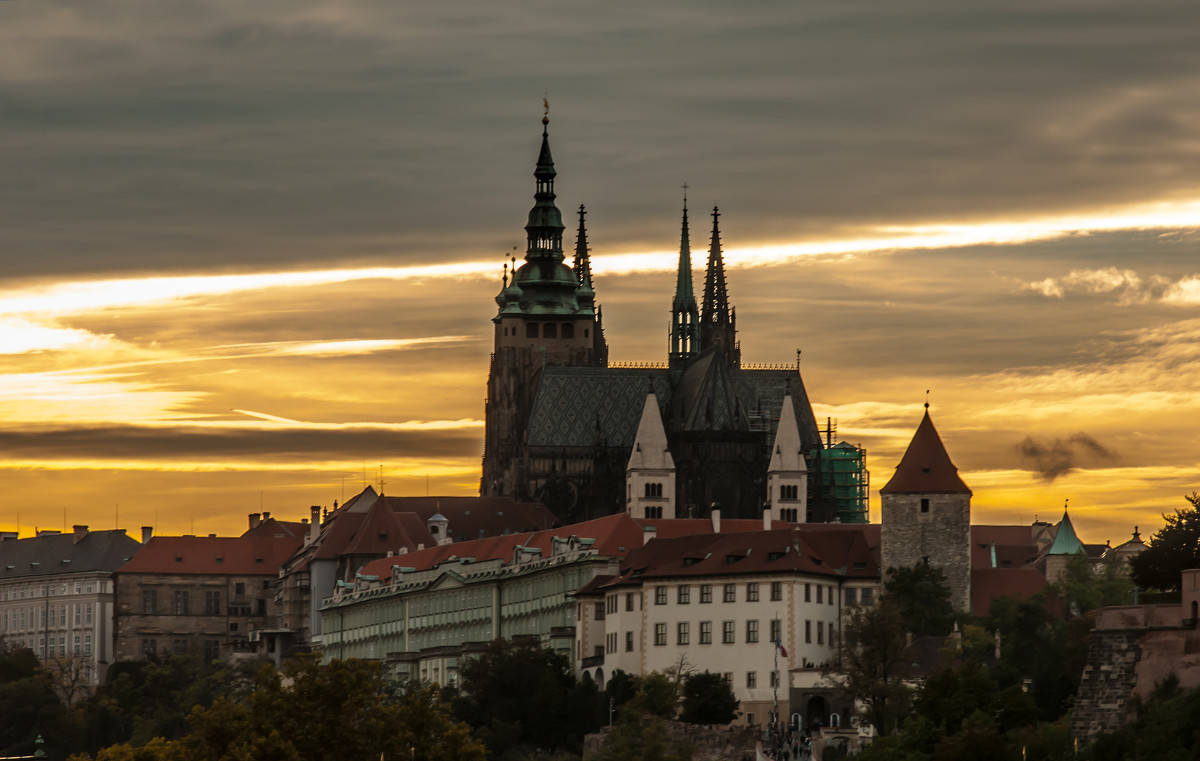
<point x="1107" y="683"/>
<point x="943" y="535"/>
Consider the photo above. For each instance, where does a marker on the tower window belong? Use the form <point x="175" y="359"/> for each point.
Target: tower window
<point x="531" y="330"/>
<point x="925" y="504"/>
<point x="549" y="330"/>
<point x="585" y="332"/>
<point x="568" y="330"/>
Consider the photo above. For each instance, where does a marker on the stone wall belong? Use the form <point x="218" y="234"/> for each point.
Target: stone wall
<point x="710" y="743"/>
<point x="942" y="535"/>
<point x="1108" y="681"/>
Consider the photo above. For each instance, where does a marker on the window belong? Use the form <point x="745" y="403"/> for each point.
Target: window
<point x="53" y="610"/>
<point x="180" y="608"/>
<point x="599" y="611"/>
<point x="706" y="632"/>
<point x="77" y="608"/>
<point x="179" y="646"/>
<point x="820" y="591"/>
<point x="88" y="613"/>
<point x="808" y="593"/>
<point x="149" y="647"/>
<point x="776" y="591"/>
<point x="868" y="596"/>
<point x="925" y="504"/>
<point x="751" y="680"/>
<point x="830" y="596"/>
<point x="730" y="593"/>
<point x="685" y="594"/>
<point x="629" y="642"/>
<point x="682" y="635"/>
<point x="789" y="492"/>
<point x="820" y="632"/>
<point x="752" y="592"/>
<point x="262" y="607"/>
<point x="610" y="642"/>
<point x="654" y="491"/>
<point x="728" y="677"/>
<point x="212" y="602"/>
<point x="776" y="630"/>
<point x="752" y="630"/>
<point x="212" y="650"/>
<point x="660" y="634"/>
<point x="851" y="596"/>
<point x="808" y="632"/>
<point x="660" y="595"/>
<point x="774" y="678"/>
<point x="87" y="644"/>
<point x="750" y="719"/>
<point x="727" y="632"/>
<point x="705" y="593"/>
<point x="628" y="601"/>
<point x="239" y="589"/>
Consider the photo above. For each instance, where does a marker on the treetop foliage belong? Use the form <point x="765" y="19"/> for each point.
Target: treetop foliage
<point x="1173" y="549"/>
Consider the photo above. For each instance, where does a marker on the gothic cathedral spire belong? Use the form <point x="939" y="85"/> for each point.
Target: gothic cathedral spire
<point x="718" y="323"/>
<point x="583" y="265"/>
<point x="685" y="318"/>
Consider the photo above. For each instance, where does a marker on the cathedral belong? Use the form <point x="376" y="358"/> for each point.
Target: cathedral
<point x="566" y="429"/>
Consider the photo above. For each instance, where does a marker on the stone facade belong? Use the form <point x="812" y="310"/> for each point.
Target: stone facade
<point x="933" y="529"/>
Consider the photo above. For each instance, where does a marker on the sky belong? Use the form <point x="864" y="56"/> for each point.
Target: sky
<point x="249" y="251"/>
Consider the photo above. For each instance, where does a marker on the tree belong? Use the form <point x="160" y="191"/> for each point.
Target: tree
<point x="642" y="737"/>
<point x="659" y="695"/>
<point x="872" y="663"/>
<point x="1084" y="588"/>
<point x="708" y="699"/>
<point x="517" y="694"/>
<point x="28" y="705"/>
<point x="924" y="598"/>
<point x="1174" y="548"/>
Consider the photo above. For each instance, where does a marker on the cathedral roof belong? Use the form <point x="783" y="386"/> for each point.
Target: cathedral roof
<point x="601" y="406"/>
<point x="925" y="467"/>
<point x="650" y="451"/>
<point x="705" y="399"/>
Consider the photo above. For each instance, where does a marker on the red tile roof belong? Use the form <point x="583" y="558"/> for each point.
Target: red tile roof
<point x="260" y="551"/>
<point x="989" y="583"/>
<point x="925" y="467"/>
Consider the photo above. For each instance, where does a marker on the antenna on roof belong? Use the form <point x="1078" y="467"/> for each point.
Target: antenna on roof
<point x="926" y="398"/>
<point x="1065" y="503"/>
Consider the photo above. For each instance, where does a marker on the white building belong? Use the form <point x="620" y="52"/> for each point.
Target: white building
<point x="719" y="601"/>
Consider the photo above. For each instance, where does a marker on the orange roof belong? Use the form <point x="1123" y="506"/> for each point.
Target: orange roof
<point x="259" y="551"/>
<point x="990" y="583"/>
<point x="925" y="467"/>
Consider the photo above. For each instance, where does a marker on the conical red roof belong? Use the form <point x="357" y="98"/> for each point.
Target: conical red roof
<point x="925" y="467"/>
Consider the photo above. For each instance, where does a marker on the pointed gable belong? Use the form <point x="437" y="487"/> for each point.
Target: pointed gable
<point x="925" y="467"/>
<point x="650" y="451"/>
<point x="788" y="452"/>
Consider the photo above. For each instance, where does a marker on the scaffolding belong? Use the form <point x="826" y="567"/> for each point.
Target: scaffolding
<point x="843" y="477"/>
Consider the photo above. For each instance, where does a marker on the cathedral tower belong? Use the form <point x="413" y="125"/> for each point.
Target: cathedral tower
<point x="650" y="474"/>
<point x="685" y="317"/>
<point x="927" y="514"/>
<point x="718" y="323"/>
<point x="546" y="316"/>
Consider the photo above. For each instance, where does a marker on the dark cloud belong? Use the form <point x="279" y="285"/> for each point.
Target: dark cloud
<point x="199" y="445"/>
<point x="1050" y="458"/>
<point x="196" y="136"/>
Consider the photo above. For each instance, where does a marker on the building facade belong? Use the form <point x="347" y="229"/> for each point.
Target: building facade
<point x="206" y="596"/>
<point x="57" y="599"/>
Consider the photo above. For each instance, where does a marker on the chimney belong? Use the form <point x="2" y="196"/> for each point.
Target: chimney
<point x="266" y="516"/>
<point x="767" y="518"/>
<point x="716" y="518"/>
<point x="314" y="528"/>
<point x="255" y="519"/>
<point x="147" y="532"/>
<point x="648" y="533"/>
<point x="80" y="532"/>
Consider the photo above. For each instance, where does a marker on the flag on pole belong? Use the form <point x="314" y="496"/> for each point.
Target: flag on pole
<point x="779" y="646"/>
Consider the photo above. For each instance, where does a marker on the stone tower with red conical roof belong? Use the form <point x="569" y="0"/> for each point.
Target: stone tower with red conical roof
<point x="927" y="514"/>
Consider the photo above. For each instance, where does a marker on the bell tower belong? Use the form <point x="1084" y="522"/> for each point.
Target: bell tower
<point x="546" y="316"/>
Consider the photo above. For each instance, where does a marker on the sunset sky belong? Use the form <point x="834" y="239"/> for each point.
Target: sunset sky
<point x="248" y="251"/>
